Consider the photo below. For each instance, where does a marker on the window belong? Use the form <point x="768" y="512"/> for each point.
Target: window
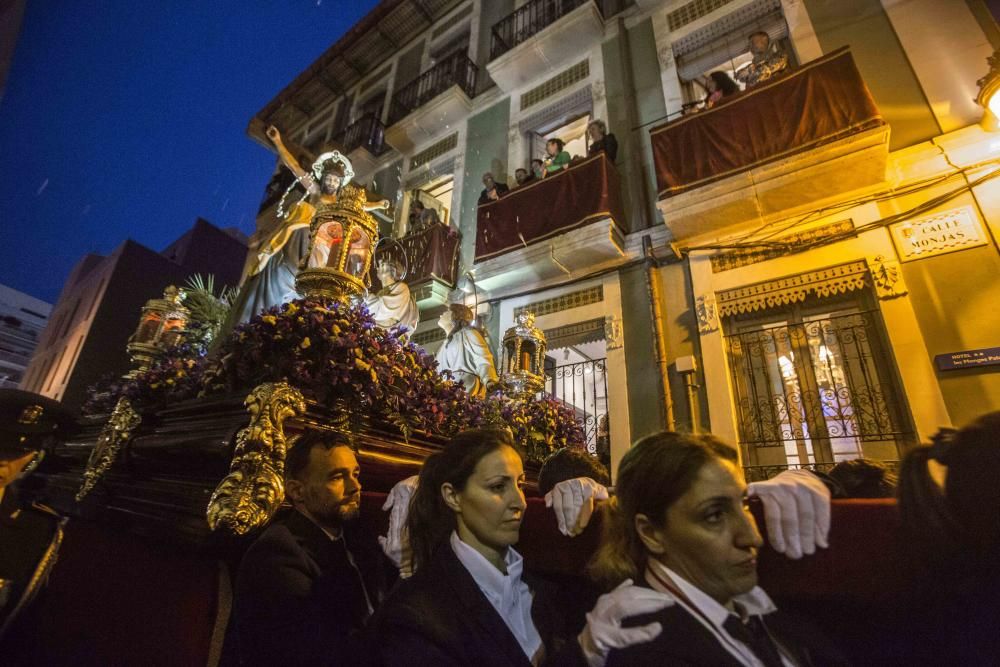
<point x="815" y="383"/>
<point x="573" y="134"/>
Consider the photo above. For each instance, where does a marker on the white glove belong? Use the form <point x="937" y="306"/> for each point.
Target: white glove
<point x="796" y="511"/>
<point x="395" y="545"/>
<point x="604" y="630"/>
<point x="573" y="501"/>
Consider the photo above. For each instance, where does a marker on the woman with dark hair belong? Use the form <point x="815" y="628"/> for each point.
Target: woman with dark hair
<point x="949" y="503"/>
<point x="719" y="86"/>
<point x="470" y="602"/>
<point x="556" y="157"/>
<point x="681" y="527"/>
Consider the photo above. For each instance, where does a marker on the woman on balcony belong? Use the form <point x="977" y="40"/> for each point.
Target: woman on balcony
<point x="556" y="158"/>
<point x="602" y="141"/>
<point x="681" y="527"/>
<point x="719" y="86"/>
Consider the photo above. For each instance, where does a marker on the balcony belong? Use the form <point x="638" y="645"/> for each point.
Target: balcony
<point x="555" y="30"/>
<point x="431" y="257"/>
<point x="772" y="151"/>
<point x="439" y="97"/>
<point x="363" y="141"/>
<point x="560" y="226"/>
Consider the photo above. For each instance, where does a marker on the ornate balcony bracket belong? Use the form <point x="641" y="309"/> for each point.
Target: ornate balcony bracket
<point x="251" y="493"/>
<point x="115" y="434"/>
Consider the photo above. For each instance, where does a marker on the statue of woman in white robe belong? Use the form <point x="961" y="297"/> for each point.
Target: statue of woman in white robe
<point x="393" y="305"/>
<point x="465" y="352"/>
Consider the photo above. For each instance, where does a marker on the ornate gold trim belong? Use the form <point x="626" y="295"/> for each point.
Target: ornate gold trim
<point x="793" y="289"/>
<point x="115" y="434"/>
<point x="249" y="495"/>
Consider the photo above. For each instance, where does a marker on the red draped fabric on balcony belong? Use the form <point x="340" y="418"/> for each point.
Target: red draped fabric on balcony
<point x="557" y="204"/>
<point x="823" y="101"/>
<point x="429" y="254"/>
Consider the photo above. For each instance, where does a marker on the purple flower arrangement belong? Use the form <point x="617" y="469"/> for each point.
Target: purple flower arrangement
<point x="338" y="355"/>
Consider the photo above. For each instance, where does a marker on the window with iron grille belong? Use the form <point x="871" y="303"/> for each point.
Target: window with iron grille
<point x="815" y="383"/>
<point x="560" y="81"/>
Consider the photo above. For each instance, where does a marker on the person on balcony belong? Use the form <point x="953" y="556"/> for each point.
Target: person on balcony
<point x="681" y="527"/>
<point x="556" y="157"/>
<point x="465" y="352"/>
<point x="768" y="61"/>
<point x="537" y="168"/>
<point x="601" y="141"/>
<point x="719" y="86"/>
<point x="492" y="190"/>
<point x="416" y="211"/>
<point x="523" y="176"/>
<point x="393" y="306"/>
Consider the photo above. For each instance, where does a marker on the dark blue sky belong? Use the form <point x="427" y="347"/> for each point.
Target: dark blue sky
<point x="125" y="119"/>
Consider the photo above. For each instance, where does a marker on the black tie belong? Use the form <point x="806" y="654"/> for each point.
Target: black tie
<point x="755" y="636"/>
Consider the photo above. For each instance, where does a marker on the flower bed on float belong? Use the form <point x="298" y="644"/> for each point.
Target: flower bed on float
<point x="339" y="357"/>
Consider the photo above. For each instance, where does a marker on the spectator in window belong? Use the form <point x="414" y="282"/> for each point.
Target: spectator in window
<point x="537" y="168"/>
<point x="556" y="157"/>
<point x="523" y="176"/>
<point x="428" y="218"/>
<point x="601" y="141"/>
<point x="492" y="190"/>
<point x="416" y="211"/>
<point x="719" y="86"/>
<point x="768" y="60"/>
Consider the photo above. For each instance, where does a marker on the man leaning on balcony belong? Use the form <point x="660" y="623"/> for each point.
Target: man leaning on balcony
<point x="492" y="190"/>
<point x="768" y="60"/>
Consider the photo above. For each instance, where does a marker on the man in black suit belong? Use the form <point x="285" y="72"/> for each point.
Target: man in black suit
<point x="307" y="587"/>
<point x="30" y="533"/>
<point x="492" y="190"/>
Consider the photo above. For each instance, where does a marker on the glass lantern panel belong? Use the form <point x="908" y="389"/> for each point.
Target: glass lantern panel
<point x="148" y="328"/>
<point x="359" y="253"/>
<point x="326" y="247"/>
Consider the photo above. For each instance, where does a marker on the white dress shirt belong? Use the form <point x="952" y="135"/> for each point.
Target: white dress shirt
<point x="712" y="615"/>
<point x="510" y="596"/>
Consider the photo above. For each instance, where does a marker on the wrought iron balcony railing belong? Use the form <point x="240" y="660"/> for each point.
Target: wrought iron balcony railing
<point x="529" y="20"/>
<point x="367" y="132"/>
<point x="453" y="70"/>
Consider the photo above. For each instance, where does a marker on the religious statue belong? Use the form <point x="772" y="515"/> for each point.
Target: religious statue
<point x="393" y="305"/>
<point x="465" y="352"/>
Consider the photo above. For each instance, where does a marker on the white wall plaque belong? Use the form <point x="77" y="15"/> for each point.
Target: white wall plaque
<point x="936" y="234"/>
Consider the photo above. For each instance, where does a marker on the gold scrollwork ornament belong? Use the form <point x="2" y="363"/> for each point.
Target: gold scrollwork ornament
<point x="251" y="493"/>
<point x="116" y="432"/>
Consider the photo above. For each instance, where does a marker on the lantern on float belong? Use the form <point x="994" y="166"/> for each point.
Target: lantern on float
<point x="162" y="325"/>
<point x="523" y="364"/>
<point x="342" y="239"/>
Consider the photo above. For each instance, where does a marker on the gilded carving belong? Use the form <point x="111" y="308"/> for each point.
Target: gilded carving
<point x="613" y="333"/>
<point x="708" y="315"/>
<point x="253" y="490"/>
<point x="887" y="278"/>
<point x="122" y="422"/>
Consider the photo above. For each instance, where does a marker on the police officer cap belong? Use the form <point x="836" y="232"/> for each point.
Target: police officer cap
<point x="27" y="419"/>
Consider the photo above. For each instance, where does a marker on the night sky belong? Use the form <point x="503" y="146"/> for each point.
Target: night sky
<point x="125" y="119"/>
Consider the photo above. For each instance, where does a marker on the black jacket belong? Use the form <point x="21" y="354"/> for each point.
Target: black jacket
<point x="686" y="642"/>
<point x="440" y="617"/>
<point x="299" y="598"/>
<point x="501" y="188"/>
<point x="609" y="144"/>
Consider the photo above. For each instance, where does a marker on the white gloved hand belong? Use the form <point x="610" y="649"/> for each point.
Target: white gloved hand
<point x="395" y="545"/>
<point x="573" y="501"/>
<point x="796" y="511"/>
<point x="604" y="630"/>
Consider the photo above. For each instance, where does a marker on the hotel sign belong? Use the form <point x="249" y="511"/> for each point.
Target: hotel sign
<point x="937" y="234"/>
<point x="989" y="356"/>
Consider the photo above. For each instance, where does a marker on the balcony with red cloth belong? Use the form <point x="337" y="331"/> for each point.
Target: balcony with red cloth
<point x="569" y="221"/>
<point x="430" y="257"/>
<point x="789" y="143"/>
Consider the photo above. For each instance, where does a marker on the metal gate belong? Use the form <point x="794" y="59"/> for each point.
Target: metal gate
<point x="583" y="388"/>
<point x="818" y="389"/>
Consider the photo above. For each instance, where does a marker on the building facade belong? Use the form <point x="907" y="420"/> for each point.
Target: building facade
<point x="799" y="270"/>
<point x="100" y="304"/>
<point x="22" y="319"/>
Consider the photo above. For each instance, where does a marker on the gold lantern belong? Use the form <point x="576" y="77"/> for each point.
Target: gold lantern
<point x="523" y="373"/>
<point x="346" y="233"/>
<point x="161" y="326"/>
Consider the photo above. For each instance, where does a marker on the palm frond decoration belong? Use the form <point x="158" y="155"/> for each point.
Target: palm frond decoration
<point x="208" y="309"/>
